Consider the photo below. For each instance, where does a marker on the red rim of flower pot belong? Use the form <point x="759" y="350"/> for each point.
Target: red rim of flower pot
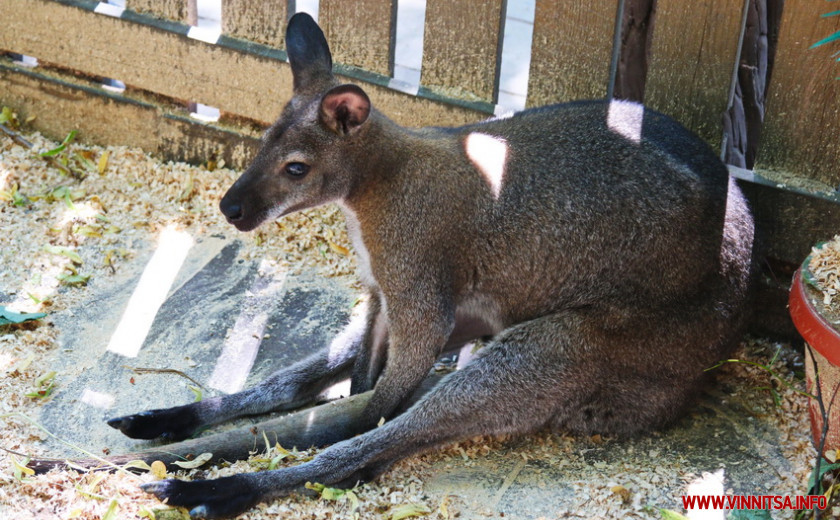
<point x="816" y="330"/>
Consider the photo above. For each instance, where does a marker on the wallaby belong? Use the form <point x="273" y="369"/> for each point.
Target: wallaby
<point x="601" y="246"/>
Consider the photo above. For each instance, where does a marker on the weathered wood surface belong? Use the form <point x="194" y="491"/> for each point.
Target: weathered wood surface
<point x="183" y="11"/>
<point x="262" y="22"/>
<point x="158" y="60"/>
<point x="360" y="33"/>
<point x="61" y="104"/>
<point x="693" y="56"/>
<point x="571" y="51"/>
<point x="800" y="135"/>
<point x="462" y="48"/>
<point x="146" y="57"/>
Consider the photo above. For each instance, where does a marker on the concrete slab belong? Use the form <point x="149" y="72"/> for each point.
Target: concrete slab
<point x="192" y="329"/>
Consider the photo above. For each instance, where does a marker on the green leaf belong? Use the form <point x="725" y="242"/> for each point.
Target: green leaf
<point x="6" y="115"/>
<point x="20" y="468"/>
<point x="197" y="391"/>
<point x="832" y="13"/>
<point x="45" y="386"/>
<point x="824" y="468"/>
<point x="8" y="316"/>
<point x="74" y="279"/>
<point x="111" y="513"/>
<point x="60" y="148"/>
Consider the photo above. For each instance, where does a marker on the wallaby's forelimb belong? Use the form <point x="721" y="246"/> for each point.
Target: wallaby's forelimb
<point x="316" y="426"/>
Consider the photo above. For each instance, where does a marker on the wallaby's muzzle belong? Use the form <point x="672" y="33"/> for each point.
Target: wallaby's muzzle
<point x="231" y="208"/>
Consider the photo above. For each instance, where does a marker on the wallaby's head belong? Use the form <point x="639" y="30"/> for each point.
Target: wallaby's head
<point x="303" y="159"/>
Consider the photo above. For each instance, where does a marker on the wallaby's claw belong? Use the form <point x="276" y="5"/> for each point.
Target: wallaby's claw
<point x="171" y="424"/>
<point x="218" y="498"/>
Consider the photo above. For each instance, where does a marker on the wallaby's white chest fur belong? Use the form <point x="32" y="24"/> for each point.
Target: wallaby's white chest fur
<point x="354" y="231"/>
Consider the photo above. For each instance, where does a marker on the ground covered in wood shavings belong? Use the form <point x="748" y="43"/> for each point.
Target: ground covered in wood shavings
<point x="55" y="227"/>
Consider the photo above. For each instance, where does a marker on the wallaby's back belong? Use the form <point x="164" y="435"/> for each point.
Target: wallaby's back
<point x="599" y="205"/>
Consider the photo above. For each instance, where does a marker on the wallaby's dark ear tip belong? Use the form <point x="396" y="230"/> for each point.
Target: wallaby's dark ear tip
<point x="300" y="22"/>
<point x="308" y="51"/>
<point x="345" y="108"/>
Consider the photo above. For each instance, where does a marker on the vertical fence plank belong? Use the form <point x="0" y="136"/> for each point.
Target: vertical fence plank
<point x="462" y="47"/>
<point x="571" y="51"/>
<point x="360" y="32"/>
<point x="693" y="55"/>
<point x="801" y="134"/>
<point x="262" y="22"/>
<point x="183" y="11"/>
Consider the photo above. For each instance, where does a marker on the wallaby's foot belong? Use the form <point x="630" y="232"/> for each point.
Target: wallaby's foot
<point x="171" y="424"/>
<point x="217" y="498"/>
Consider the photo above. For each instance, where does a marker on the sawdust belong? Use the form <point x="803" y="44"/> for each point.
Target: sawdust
<point x="110" y="216"/>
<point x="824" y="267"/>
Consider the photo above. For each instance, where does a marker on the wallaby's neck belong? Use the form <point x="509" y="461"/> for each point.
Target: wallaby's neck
<point x="388" y="151"/>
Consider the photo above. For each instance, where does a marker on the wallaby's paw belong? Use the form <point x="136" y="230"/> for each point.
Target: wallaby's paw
<point x="216" y="498"/>
<point x="171" y="424"/>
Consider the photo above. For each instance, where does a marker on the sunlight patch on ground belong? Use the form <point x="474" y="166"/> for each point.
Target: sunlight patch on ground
<point x="151" y="291"/>
<point x="97" y="399"/>
<point x="42" y="284"/>
<point x="4" y="179"/>
<point x="79" y="211"/>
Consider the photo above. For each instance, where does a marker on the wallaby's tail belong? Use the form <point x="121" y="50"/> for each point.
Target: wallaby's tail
<point x="315" y="426"/>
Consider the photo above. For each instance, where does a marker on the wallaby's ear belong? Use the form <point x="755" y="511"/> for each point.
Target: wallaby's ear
<point x="344" y="108"/>
<point x="308" y="51"/>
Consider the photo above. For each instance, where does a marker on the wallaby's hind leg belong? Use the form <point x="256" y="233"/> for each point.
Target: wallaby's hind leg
<point x="530" y="375"/>
<point x="286" y="389"/>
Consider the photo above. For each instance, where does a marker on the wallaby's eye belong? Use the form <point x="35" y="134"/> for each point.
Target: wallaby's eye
<point x="296" y="169"/>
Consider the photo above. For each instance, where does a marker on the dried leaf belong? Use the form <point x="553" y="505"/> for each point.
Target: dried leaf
<point x="64" y="251"/>
<point x="20" y="468"/>
<point x="158" y="469"/>
<point x="622" y="492"/>
<point x="408" y="511"/>
<point x="196" y="462"/>
<point x="338" y="248"/>
<point x="102" y="164"/>
<point x="143" y="512"/>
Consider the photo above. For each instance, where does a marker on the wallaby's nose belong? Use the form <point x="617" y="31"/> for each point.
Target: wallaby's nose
<point x="231" y="211"/>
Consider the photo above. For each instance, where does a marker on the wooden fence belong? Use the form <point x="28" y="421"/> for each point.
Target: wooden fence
<point x="738" y="72"/>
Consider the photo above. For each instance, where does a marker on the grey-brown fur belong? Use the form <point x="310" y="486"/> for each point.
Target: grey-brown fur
<point x="609" y="270"/>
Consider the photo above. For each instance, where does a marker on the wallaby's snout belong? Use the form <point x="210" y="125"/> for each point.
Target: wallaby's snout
<point x="239" y="208"/>
<point x="231" y="209"/>
<point x="304" y="158"/>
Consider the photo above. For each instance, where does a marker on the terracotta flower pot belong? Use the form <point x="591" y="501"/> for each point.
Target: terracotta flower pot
<point x="824" y="340"/>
